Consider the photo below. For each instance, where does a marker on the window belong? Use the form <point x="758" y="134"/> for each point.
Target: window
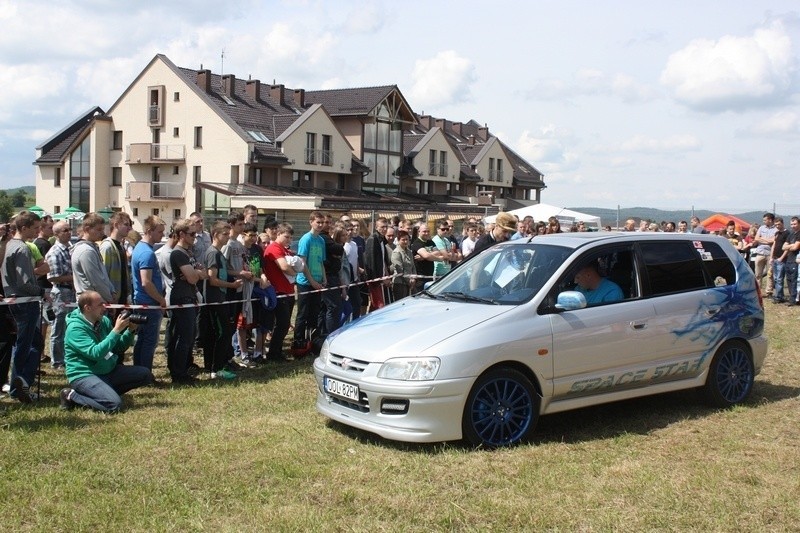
<point x="672" y="267"/>
<point x="198" y="136"/>
<point x="326" y="155"/>
<point x="614" y="263"/>
<point x="719" y="268"/>
<point x="295" y="178"/>
<point x="311" y="141"/>
<point x="499" y="170"/>
<point x="196" y="174"/>
<point x="56" y="209"/>
<point x="135" y="211"/>
<point x="432" y="163"/>
<point x="234" y="174"/>
<point x="117" y="140"/>
<point x="155" y="212"/>
<point x="176" y="214"/>
<point x="176" y="132"/>
<point x="491" y="169"/>
<point x="176" y="96"/>
<point x="116" y="176"/>
<point x="79" y="178"/>
<point x="176" y="170"/>
<point x="57" y="178"/>
<point x="443" y="163"/>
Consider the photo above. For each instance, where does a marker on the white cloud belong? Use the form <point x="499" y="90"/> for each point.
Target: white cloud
<point x="673" y="144"/>
<point x="443" y="79"/>
<point x="548" y="150"/>
<point x="733" y="73"/>
<point x="783" y="124"/>
<point x="366" y="18"/>
<point x="592" y="82"/>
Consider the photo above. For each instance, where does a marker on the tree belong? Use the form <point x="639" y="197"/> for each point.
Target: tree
<point x="18" y="199"/>
<point x="6" y="209"/>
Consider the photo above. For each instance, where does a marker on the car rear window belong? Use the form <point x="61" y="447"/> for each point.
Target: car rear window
<point x="672" y="267"/>
<point x="716" y="263"/>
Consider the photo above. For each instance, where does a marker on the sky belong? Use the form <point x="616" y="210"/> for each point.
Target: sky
<point x="618" y="103"/>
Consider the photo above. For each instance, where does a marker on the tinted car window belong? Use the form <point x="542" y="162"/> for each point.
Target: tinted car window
<point x="719" y="267"/>
<point x="672" y="267"/>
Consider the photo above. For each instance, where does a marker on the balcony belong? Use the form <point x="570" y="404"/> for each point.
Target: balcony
<point x="495" y="175"/>
<point x="319" y="157"/>
<point x="437" y="169"/>
<point x="149" y="153"/>
<point x="145" y="191"/>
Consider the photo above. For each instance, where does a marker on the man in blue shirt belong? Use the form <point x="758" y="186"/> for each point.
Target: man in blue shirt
<point x="148" y="289"/>
<point x="596" y="288"/>
<point x="312" y="249"/>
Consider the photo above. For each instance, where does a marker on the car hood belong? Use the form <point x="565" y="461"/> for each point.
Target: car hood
<point x="408" y="328"/>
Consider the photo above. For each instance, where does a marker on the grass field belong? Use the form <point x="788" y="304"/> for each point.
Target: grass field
<point x="254" y="455"/>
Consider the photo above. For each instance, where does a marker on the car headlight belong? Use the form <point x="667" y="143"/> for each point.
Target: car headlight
<point x="324" y="352"/>
<point x="410" y="368"/>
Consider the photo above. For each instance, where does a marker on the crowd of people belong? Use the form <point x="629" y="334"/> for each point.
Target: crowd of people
<point x="231" y="289"/>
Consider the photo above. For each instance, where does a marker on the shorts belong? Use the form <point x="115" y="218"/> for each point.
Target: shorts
<point x="262" y="319"/>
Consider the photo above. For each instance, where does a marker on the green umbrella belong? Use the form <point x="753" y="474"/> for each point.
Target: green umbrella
<point x="106" y="213"/>
<point x="38" y="210"/>
<point x="70" y="213"/>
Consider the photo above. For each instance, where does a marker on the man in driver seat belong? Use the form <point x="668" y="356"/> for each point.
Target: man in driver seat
<point x="595" y="287"/>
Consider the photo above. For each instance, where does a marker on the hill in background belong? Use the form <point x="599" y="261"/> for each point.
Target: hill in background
<point x="608" y="217"/>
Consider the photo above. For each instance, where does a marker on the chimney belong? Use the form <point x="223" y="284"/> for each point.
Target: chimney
<point x="457" y="128"/>
<point x="204" y="80"/>
<point x="276" y="93"/>
<point x="483" y="133"/>
<point x="471" y="140"/>
<point x="253" y="89"/>
<point x="426" y="121"/>
<point x="228" y="84"/>
<point x="300" y="97"/>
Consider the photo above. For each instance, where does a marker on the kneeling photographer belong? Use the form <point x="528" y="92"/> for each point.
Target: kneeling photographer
<point x="95" y="378"/>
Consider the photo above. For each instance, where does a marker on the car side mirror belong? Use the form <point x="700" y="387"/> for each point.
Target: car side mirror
<point x="570" y="301"/>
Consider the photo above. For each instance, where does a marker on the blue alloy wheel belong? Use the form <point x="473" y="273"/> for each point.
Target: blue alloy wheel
<point x="731" y="375"/>
<point x="501" y="410"/>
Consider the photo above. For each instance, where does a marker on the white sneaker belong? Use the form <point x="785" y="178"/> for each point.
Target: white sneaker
<point x="6" y="387"/>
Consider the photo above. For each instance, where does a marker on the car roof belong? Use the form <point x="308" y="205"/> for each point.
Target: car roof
<point x="578" y="239"/>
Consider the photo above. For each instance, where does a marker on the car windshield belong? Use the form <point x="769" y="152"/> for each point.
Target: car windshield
<point x="502" y="275"/>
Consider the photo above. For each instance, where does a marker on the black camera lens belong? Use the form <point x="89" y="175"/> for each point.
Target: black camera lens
<point x="51" y="315"/>
<point x="137" y="318"/>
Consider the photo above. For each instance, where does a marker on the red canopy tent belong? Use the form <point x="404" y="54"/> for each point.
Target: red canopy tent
<point x="720" y="220"/>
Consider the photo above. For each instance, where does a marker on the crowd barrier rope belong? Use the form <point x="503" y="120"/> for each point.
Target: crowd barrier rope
<point x="26" y="299"/>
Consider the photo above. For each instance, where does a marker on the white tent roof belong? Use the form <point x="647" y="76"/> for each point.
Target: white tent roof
<point x="545" y="211"/>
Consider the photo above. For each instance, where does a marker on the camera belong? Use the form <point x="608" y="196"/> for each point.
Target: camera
<point x="135" y="318"/>
<point x="51" y="315"/>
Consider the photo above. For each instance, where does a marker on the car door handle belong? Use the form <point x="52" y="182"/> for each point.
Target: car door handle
<point x="638" y="325"/>
<point x="713" y="311"/>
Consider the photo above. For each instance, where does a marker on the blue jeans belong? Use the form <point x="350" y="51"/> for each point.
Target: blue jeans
<point x="792" y="281"/>
<point x="147" y="337"/>
<point x="61" y="298"/>
<point x="103" y="392"/>
<point x="28" y="349"/>
<point x="778" y="273"/>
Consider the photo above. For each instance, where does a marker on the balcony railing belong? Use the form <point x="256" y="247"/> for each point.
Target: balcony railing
<point x="145" y="191"/>
<point x="319" y="157"/>
<point x="495" y="175"/>
<point x="437" y="169"/>
<point x="149" y="153"/>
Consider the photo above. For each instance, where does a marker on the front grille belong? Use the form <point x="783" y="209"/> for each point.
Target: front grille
<point x="362" y="405"/>
<point x="345" y="363"/>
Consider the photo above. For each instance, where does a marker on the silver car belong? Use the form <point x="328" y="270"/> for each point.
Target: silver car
<point x="538" y="326"/>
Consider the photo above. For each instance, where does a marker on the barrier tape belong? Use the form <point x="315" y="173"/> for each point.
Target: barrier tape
<point x="25" y="299"/>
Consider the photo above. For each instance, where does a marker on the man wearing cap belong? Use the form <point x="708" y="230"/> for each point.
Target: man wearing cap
<point x="505" y="224"/>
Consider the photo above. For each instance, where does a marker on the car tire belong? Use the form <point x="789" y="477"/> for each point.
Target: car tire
<point x="730" y="376"/>
<point x="501" y="409"/>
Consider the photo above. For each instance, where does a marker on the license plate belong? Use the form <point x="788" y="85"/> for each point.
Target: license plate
<point x="340" y="388"/>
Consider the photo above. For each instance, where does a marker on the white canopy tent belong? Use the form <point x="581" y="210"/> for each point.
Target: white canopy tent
<point x="545" y="211"/>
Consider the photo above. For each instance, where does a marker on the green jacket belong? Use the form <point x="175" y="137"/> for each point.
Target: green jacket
<point x="90" y="351"/>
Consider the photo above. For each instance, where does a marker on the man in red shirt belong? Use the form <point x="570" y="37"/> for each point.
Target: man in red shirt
<point x="281" y="276"/>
